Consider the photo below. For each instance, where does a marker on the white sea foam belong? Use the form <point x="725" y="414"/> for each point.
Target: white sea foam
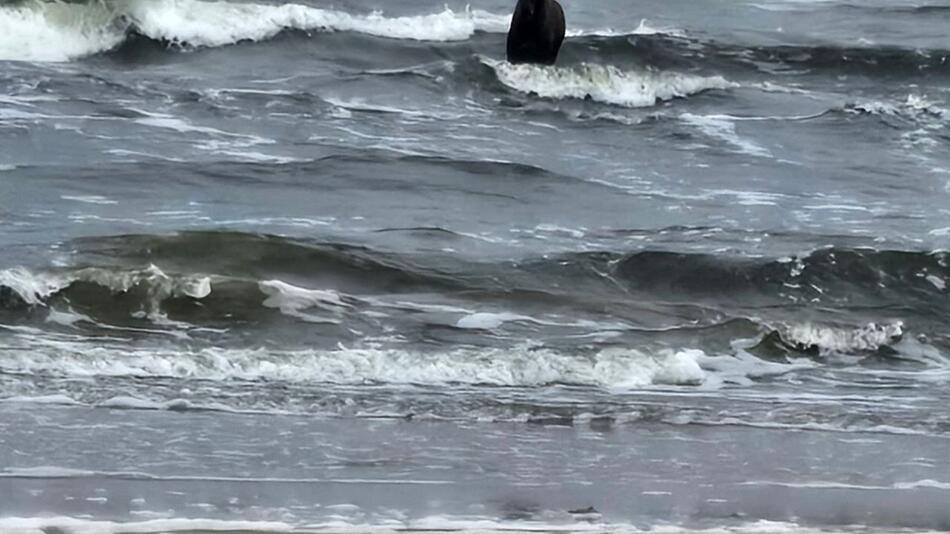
<point x="603" y="83"/>
<point x="89" y="199"/>
<point x="723" y="127"/>
<point x="927" y="483"/>
<point x="361" y="105"/>
<point x="66" y="318"/>
<point x="53" y="31"/>
<point x="32" y="288"/>
<point x="161" y="285"/>
<point x="133" y="403"/>
<point x="936" y="281"/>
<point x="557" y="230"/>
<point x="521" y="366"/>
<point x="295" y="301"/>
<point x="35" y="288"/>
<point x="743" y="367"/>
<point x="913" y="106"/>
<point x="487" y="321"/>
<point x="930" y="118"/>
<point x="827" y="339"/>
<point x="203" y="23"/>
<point x="643" y="29"/>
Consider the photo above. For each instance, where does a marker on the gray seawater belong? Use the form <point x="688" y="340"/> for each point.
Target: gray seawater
<point x="270" y="266"/>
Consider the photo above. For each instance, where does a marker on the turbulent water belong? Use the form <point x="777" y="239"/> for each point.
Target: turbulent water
<point x="341" y="266"/>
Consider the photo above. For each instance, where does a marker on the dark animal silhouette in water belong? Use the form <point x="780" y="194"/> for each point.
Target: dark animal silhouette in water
<point x="536" y="33"/>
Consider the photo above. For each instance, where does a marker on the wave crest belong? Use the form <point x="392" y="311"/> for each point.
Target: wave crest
<point x="58" y="32"/>
<point x="604" y="83"/>
<point x="914" y="107"/>
<point x="20" y="287"/>
<point x="197" y="23"/>
<point x="821" y="339"/>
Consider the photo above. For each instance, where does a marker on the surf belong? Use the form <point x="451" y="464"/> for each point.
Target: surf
<point x="47" y="31"/>
<point x="57" y="32"/>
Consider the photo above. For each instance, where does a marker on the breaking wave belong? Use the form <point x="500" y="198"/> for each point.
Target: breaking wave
<point x="58" y="32"/>
<point x="355" y="318"/>
<point x="199" y="286"/>
<point x="47" y="31"/>
<point x="858" y="265"/>
<point x="97" y="297"/>
<point x="914" y="107"/>
<point x="604" y="83"/>
<point x="824" y="339"/>
<point x="190" y="264"/>
<point x="198" y="23"/>
<point x="37" y="30"/>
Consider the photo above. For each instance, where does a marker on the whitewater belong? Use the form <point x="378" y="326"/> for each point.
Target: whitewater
<point x="308" y="266"/>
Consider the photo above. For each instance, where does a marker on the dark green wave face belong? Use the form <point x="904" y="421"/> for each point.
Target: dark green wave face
<point x="320" y="267"/>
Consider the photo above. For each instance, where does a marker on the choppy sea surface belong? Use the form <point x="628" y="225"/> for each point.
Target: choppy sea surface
<point x="340" y="267"/>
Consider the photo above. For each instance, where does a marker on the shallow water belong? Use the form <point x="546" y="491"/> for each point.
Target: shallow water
<point x="272" y="231"/>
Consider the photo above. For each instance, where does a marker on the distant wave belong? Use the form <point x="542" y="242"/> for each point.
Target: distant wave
<point x="47" y="31"/>
<point x="51" y="31"/>
<point x="202" y="23"/>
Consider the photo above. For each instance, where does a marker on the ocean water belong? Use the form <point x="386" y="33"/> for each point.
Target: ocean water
<point x="338" y="266"/>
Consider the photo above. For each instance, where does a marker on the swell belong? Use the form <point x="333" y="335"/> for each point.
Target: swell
<point x="241" y="253"/>
<point x="257" y="255"/>
<point x="831" y="275"/>
<point x="868" y="273"/>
